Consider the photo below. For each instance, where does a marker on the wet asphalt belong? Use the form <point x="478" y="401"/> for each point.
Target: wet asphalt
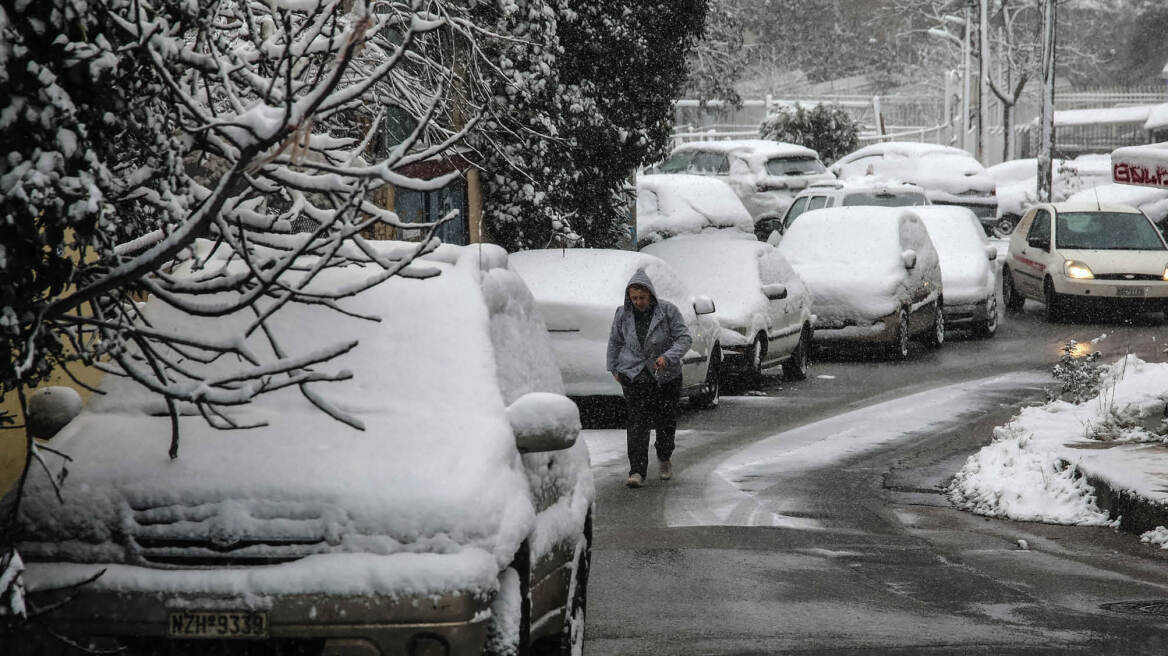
<point x="815" y="548"/>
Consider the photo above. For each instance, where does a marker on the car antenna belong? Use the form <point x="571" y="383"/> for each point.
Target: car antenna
<point x="1096" y="190"/>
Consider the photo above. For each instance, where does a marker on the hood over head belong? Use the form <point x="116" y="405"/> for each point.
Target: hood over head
<point x="640" y="278"/>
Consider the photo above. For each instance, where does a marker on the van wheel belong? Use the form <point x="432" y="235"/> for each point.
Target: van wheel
<point x="795" y="368"/>
<point x="709" y="397"/>
<point x="1010" y="295"/>
<point x="937" y="335"/>
<point x="898" y="349"/>
<point x="988" y="327"/>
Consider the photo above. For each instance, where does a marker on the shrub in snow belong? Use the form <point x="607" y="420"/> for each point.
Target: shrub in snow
<point x="825" y="128"/>
<point x="1079" y="376"/>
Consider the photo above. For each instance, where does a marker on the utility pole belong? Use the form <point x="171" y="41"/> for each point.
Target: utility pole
<point x="1046" y="150"/>
<point x="983" y="87"/>
<point x="966" y="49"/>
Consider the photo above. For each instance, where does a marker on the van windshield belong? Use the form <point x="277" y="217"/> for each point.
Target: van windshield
<point x="1112" y="231"/>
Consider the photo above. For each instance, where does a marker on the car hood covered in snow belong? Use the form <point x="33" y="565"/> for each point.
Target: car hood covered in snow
<point x="433" y="477"/>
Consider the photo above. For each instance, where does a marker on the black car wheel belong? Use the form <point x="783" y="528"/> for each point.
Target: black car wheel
<point x="1010" y="295"/>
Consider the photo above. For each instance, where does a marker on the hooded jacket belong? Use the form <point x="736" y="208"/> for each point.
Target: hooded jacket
<point x="667" y="336"/>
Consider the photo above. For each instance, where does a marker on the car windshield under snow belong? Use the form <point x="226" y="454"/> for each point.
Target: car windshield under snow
<point x="1122" y="231"/>
<point x="884" y="199"/>
<point x="794" y="166"/>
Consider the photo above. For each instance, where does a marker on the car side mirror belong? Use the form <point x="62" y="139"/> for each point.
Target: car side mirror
<point x="991" y="253"/>
<point x="703" y="305"/>
<point x="1037" y="242"/>
<point x="543" y="421"/>
<point x="775" y="291"/>
<point x="50" y="408"/>
<point x="909" y="257"/>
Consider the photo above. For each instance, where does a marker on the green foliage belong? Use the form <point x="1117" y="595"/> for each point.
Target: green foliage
<point x="825" y="128"/>
<point x="585" y="97"/>
<point x="1080" y="377"/>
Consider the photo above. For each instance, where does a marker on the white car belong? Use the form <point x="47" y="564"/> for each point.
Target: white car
<point x="968" y="274"/>
<point x="765" y="174"/>
<point x="949" y="176"/>
<point x="873" y="273"/>
<point x="840" y="193"/>
<point x="1086" y="254"/>
<point x="670" y="205"/>
<point x="763" y="306"/>
<point x="578" y="290"/>
<point x="465" y="496"/>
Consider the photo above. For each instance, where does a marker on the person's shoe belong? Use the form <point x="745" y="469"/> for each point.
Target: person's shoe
<point x="635" y="480"/>
<point x="666" y="472"/>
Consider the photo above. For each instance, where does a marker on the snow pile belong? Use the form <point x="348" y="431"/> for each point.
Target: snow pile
<point x="1158" y="535"/>
<point x="676" y="204"/>
<point x="732" y="273"/>
<point x="967" y="274"/>
<point x="430" y="496"/>
<point x="851" y="260"/>
<point x="1036" y="467"/>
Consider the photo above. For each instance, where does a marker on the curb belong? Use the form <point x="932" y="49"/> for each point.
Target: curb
<point x="1136" y="514"/>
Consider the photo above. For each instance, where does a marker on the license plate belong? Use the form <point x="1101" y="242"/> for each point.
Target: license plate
<point x="1130" y="291"/>
<point x="218" y="624"/>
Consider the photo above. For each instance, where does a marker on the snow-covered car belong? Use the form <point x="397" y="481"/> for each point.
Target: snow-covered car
<point x="764" y="174"/>
<point x="577" y="290"/>
<point x="949" y="176"/>
<point x="968" y="274"/>
<point x="1151" y="201"/>
<point x="669" y="205"/>
<point x="840" y="193"/>
<point x="1065" y="254"/>
<point x="457" y="517"/>
<point x="1017" y="184"/>
<point x="873" y="273"/>
<point x="763" y="307"/>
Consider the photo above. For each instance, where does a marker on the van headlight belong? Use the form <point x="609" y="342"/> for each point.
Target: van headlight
<point x="1077" y="270"/>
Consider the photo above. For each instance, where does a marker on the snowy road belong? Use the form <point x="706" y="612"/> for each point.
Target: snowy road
<point x="810" y="520"/>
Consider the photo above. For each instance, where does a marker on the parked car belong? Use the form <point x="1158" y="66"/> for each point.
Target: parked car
<point x="578" y="290"/>
<point x="949" y="176"/>
<point x="763" y="307"/>
<point x="1017" y="184"/>
<point x="840" y="193"/>
<point x="764" y="174"/>
<point x="459" y="515"/>
<point x="1091" y="255"/>
<point x="669" y="205"/>
<point x="968" y="274"/>
<point x="873" y="273"/>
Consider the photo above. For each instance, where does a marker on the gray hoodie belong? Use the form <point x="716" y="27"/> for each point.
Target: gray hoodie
<point x="667" y="337"/>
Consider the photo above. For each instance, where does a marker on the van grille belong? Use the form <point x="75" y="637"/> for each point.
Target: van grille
<point x="233" y="533"/>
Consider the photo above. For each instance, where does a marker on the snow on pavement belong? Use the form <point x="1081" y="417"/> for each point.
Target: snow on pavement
<point x="1032" y="470"/>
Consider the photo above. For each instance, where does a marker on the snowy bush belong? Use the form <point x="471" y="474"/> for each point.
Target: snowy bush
<point x="1079" y="376"/>
<point x="825" y="128"/>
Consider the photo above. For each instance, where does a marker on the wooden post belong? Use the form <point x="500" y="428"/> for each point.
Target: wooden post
<point x="474" y="205"/>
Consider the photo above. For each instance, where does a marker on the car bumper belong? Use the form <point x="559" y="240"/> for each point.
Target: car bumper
<point x="968" y="313"/>
<point x="880" y="331"/>
<point x="453" y="623"/>
<point x="1126" y="291"/>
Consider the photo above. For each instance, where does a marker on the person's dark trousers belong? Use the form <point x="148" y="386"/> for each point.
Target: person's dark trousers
<point x="650" y="406"/>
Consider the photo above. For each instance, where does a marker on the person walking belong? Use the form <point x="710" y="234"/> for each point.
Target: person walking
<point x="645" y="347"/>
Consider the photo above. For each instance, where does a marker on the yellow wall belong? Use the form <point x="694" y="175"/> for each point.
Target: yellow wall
<point x="12" y="444"/>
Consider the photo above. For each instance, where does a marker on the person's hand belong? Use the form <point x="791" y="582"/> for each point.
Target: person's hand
<point x="660" y="364"/>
